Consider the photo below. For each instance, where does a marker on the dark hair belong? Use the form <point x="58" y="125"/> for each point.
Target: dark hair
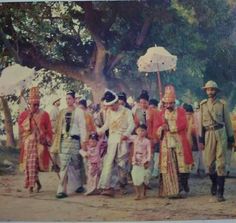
<point x="122" y="96"/>
<point x="144" y="95"/>
<point x="71" y="93"/>
<point x="188" y="107"/>
<point x="94" y="135"/>
<point x="142" y="126"/>
<point x="83" y="102"/>
<point x="153" y="102"/>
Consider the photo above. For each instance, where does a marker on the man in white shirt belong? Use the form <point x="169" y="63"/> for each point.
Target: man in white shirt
<point x="119" y="121"/>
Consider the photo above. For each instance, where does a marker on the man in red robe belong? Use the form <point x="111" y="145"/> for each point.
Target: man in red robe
<point x="35" y="136"/>
<point x="170" y="126"/>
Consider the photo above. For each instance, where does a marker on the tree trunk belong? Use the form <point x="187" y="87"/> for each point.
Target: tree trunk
<point x="8" y="125"/>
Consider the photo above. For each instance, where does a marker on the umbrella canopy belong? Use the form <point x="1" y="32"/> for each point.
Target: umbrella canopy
<point x="156" y="59"/>
<point x="14" y="78"/>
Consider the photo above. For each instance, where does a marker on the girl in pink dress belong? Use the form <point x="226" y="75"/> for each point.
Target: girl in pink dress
<point x="140" y="160"/>
<point x="93" y="155"/>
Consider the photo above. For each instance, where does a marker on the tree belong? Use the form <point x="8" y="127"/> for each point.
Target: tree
<point x="99" y="43"/>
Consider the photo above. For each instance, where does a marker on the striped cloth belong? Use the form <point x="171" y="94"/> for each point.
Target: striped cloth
<point x="32" y="164"/>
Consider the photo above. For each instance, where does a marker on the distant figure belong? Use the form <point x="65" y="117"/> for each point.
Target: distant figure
<point x="56" y="102"/>
<point x="123" y="99"/>
<point x="217" y="135"/>
<point x="36" y="135"/>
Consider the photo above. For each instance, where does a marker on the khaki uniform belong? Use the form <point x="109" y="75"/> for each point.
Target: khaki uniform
<point x="216" y="129"/>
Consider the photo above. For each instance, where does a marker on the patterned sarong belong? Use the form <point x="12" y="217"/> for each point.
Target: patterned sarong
<point x="71" y="164"/>
<point x="32" y="164"/>
<point x="169" y="183"/>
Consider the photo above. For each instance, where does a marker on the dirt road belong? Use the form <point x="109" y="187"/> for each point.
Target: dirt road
<point x="17" y="205"/>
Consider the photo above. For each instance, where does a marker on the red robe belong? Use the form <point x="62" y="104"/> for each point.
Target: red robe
<point x="181" y="124"/>
<point x="26" y="127"/>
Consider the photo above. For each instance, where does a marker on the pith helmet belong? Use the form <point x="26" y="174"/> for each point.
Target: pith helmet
<point x="211" y="84"/>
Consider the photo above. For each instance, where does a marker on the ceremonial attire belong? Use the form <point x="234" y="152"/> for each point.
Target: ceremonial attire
<point x="175" y="152"/>
<point x="119" y="123"/>
<point x="34" y="156"/>
<point x="70" y="133"/>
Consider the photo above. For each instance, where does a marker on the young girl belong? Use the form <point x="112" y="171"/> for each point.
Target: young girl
<point x="93" y="155"/>
<point x="140" y="161"/>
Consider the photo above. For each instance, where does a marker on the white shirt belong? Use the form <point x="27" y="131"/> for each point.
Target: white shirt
<point x="119" y="123"/>
<point x="78" y="125"/>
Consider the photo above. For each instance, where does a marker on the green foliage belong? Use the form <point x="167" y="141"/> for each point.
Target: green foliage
<point x="198" y="32"/>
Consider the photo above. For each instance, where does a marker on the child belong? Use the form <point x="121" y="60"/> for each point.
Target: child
<point x="93" y="156"/>
<point x="140" y="161"/>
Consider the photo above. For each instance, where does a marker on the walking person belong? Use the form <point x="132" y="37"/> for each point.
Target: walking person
<point x="141" y="160"/>
<point x="70" y="136"/>
<point x="175" y="152"/>
<point x="92" y="154"/>
<point x="119" y="121"/>
<point x="216" y="135"/>
<point x="36" y="136"/>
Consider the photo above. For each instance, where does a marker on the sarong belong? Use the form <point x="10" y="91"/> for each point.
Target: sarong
<point x="71" y="163"/>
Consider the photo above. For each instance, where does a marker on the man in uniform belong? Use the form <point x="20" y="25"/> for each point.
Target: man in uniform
<point x="216" y="135"/>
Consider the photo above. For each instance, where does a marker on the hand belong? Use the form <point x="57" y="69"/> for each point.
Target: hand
<point x="146" y="165"/>
<point x="201" y="146"/>
<point x="124" y="137"/>
<point x="165" y="127"/>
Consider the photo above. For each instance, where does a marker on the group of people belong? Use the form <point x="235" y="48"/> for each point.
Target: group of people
<point x="104" y="147"/>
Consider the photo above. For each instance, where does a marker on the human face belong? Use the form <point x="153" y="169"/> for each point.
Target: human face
<point x="152" y="106"/>
<point x="169" y="105"/>
<point x="141" y="132"/>
<point x="143" y="103"/>
<point x="34" y="107"/>
<point x="211" y="92"/>
<point x="121" y="102"/>
<point x="115" y="106"/>
<point x="70" y="100"/>
<point x="92" y="142"/>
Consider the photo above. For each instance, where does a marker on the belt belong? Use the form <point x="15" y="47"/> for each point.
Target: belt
<point x="213" y="127"/>
<point x="76" y="137"/>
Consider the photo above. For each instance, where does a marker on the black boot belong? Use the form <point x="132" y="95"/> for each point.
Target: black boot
<point x="221" y="187"/>
<point x="185" y="182"/>
<point x="213" y="178"/>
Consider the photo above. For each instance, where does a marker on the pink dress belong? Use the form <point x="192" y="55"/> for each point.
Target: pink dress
<point x="141" y="155"/>
<point x="94" y="167"/>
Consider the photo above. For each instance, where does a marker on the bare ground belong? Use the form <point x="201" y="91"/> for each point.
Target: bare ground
<point x="17" y="205"/>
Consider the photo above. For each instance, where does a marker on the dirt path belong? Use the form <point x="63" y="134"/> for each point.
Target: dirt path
<point x="17" y="205"/>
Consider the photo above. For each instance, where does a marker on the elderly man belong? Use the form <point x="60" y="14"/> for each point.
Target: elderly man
<point x="119" y="121"/>
<point x="216" y="134"/>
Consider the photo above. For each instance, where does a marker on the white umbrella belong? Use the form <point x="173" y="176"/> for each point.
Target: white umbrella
<point x="15" y="78"/>
<point x="157" y="59"/>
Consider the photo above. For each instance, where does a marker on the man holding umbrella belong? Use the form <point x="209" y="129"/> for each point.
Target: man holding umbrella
<point x="216" y="135"/>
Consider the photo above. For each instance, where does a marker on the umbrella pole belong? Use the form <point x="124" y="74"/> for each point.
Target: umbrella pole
<point x="159" y="83"/>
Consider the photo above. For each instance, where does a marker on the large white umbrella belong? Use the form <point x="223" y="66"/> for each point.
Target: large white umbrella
<point x="157" y="59"/>
<point x="15" y="78"/>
